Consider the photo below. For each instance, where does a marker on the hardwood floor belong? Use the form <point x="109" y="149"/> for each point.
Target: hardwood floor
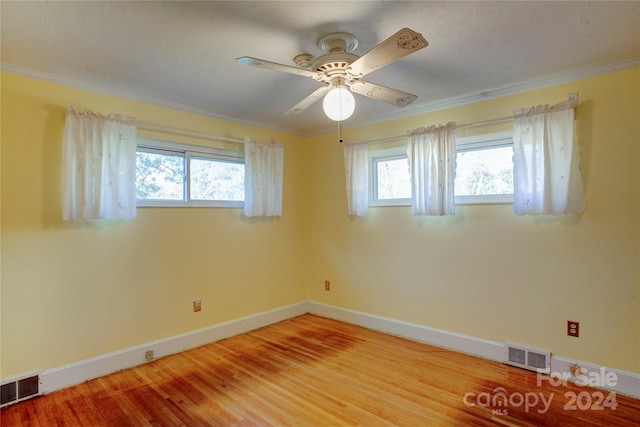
<point x="311" y="371"/>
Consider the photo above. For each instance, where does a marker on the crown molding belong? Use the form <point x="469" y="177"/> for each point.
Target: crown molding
<point x="67" y="81"/>
<point x="497" y="92"/>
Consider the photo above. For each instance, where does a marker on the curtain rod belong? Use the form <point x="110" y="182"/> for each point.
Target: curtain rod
<point x="572" y="99"/>
<point x="465" y="125"/>
<point x="222" y="138"/>
<point x="187" y="133"/>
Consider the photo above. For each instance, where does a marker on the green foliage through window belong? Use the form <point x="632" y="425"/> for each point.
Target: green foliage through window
<point x="170" y="174"/>
<point x="216" y="180"/>
<point x="159" y="176"/>
<point x="484" y="172"/>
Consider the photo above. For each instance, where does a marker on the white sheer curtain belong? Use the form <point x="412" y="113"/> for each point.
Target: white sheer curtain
<point x="432" y="162"/>
<point x="99" y="166"/>
<point x="263" y="165"/>
<point x="356" y="167"/>
<point x="545" y="156"/>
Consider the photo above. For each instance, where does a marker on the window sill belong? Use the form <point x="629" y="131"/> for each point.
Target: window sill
<point x="491" y="199"/>
<point x="191" y="204"/>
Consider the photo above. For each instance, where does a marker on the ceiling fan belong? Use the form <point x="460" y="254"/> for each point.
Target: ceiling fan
<point x="341" y="71"/>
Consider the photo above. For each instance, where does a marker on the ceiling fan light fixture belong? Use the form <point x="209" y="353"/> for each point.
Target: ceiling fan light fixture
<point x="341" y="71"/>
<point x="339" y="104"/>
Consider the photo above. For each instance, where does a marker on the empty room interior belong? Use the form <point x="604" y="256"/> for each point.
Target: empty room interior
<point x="331" y="250"/>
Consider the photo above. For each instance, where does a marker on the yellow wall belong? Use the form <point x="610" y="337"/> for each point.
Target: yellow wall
<point x="486" y="272"/>
<point x="73" y="291"/>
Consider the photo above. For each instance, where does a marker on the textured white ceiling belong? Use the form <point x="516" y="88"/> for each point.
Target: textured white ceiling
<point x="183" y="53"/>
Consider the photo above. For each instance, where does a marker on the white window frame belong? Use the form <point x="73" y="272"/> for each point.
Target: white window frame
<point x="478" y="142"/>
<point x="376" y="156"/>
<point x="188" y="151"/>
<point x="491" y="140"/>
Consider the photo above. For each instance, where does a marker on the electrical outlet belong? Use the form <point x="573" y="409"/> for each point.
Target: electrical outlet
<point x="148" y="355"/>
<point x="576" y="370"/>
<point x="197" y="305"/>
<point x="573" y="328"/>
<point x="327" y="285"/>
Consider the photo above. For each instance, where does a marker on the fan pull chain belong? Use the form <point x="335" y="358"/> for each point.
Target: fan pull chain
<point x="340" y="130"/>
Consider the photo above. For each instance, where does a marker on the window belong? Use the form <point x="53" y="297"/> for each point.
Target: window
<point x="389" y="179"/>
<point x="216" y="179"/>
<point x="159" y="174"/>
<point x="484" y="172"/>
<point x="484" y="169"/>
<point x="171" y="174"/>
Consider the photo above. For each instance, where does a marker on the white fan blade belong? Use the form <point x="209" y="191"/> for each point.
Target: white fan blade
<point x="308" y="101"/>
<point x="401" y="44"/>
<point x="381" y="93"/>
<point x="254" y="62"/>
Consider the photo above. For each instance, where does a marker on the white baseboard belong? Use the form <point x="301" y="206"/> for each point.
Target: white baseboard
<point x="627" y="383"/>
<point x="462" y="343"/>
<point x="78" y="372"/>
<point x="75" y="373"/>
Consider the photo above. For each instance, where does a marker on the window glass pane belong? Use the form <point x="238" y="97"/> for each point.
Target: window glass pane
<point x="486" y="171"/>
<point x="213" y="179"/>
<point x="159" y="176"/>
<point x="394" y="181"/>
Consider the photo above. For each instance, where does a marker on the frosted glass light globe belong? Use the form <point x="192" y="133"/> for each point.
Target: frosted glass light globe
<point x="339" y="104"/>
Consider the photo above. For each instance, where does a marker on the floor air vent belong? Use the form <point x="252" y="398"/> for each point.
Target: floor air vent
<point x="19" y="389"/>
<point x="528" y="358"/>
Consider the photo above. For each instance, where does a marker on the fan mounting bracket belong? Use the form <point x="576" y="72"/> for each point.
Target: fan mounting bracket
<point x="338" y="42"/>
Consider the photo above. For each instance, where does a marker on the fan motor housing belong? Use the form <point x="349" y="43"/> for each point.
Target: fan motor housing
<point x="334" y="64"/>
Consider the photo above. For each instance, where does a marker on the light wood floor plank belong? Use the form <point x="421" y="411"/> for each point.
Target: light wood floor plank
<point x="311" y="371"/>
